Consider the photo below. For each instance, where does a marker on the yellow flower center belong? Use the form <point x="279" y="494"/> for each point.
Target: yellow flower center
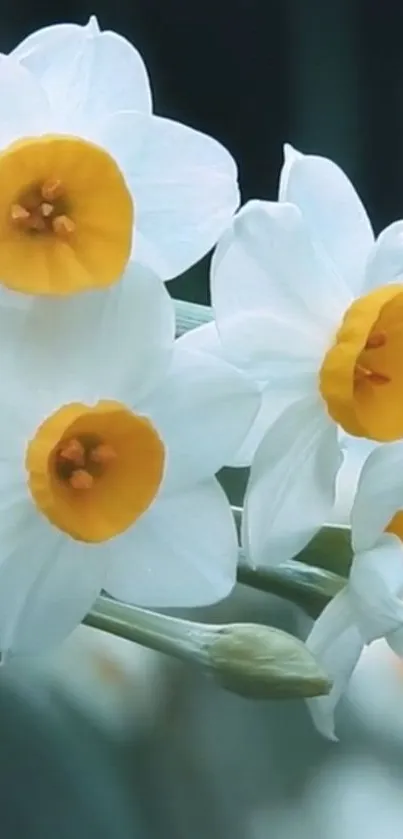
<point x="92" y="471"/>
<point x="66" y="216"/>
<point x="361" y="378"/>
<point x="395" y="526"/>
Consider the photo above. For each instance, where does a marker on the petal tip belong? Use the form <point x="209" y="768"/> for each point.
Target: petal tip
<point x="92" y="27"/>
<point x="291" y="153"/>
<point x="322" y="719"/>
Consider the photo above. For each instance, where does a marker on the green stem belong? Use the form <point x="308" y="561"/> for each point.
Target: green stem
<point x="308" y="587"/>
<point x="173" y="636"/>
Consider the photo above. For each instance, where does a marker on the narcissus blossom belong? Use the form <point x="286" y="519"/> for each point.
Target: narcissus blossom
<point x="370" y="606"/>
<point x="90" y="176"/>
<point x="110" y="439"/>
<point x="312" y="308"/>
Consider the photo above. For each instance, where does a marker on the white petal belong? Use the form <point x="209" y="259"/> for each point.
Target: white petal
<point x="266" y="263"/>
<point x="355" y="450"/>
<point x="21" y="412"/>
<point x="336" y="218"/>
<point x="272" y="349"/>
<point x="86" y="73"/>
<point x="48" y="582"/>
<point x="24" y="108"/>
<point x="291" y="487"/>
<point x="379" y="495"/>
<point x="203" y="338"/>
<point x="385" y="263"/>
<point x="376" y="585"/>
<point x="111" y="344"/>
<point x="336" y="642"/>
<point x="290" y="381"/>
<point x="184" y="185"/>
<point x="270" y="409"/>
<point x="273" y="402"/>
<point x="203" y="411"/>
<point x="263" y="346"/>
<point x="183" y="552"/>
<point x="290" y="156"/>
<point x="124" y="135"/>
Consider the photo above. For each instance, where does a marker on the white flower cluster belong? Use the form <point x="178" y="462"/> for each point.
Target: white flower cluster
<point x="111" y="432"/>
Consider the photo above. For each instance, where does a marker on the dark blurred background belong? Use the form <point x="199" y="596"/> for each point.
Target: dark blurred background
<point x="325" y="76"/>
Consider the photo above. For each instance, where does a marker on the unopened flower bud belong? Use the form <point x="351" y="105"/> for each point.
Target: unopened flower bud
<point x="261" y="662"/>
<point x="253" y="660"/>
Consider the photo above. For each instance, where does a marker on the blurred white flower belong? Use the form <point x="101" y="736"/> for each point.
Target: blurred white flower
<point x="108" y="449"/>
<point x="79" y="147"/>
<point x="376" y="692"/>
<point x="305" y="303"/>
<point x="349" y="797"/>
<point x="370" y="605"/>
<point x="120" y="685"/>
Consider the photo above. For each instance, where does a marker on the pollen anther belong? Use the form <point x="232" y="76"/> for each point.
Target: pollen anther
<point x="74" y="452"/>
<point x="19" y="213"/>
<point x="81" y="461"/>
<point x="81" y="479"/>
<point x="47" y="209"/>
<point x="42" y="209"/>
<point x="103" y="454"/>
<point x="51" y="190"/>
<point x="63" y="225"/>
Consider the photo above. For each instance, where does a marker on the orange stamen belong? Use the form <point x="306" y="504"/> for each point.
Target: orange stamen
<point x="74" y="452"/>
<point x="52" y="189"/>
<point x="103" y="454"/>
<point x="81" y="479"/>
<point x="47" y="209"/>
<point x="19" y="213"/>
<point x="63" y="225"/>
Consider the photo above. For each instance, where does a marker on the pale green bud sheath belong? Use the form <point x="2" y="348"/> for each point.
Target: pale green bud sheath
<point x="261" y="662"/>
<point x="256" y="661"/>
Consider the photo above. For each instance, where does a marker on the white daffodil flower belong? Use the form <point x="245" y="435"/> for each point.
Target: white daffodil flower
<point x="90" y="175"/>
<point x="312" y="309"/>
<point x="370" y="606"/>
<point x="108" y="449"/>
